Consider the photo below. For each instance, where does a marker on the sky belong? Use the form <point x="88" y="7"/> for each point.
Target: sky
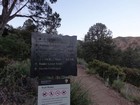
<point x="122" y="17"/>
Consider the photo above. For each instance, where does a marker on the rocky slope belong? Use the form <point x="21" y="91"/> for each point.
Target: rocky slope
<point x="125" y="42"/>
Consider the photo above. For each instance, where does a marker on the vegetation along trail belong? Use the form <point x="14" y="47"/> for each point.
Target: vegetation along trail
<point x="100" y="94"/>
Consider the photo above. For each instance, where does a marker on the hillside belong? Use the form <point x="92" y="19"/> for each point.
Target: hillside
<point x="125" y="42"/>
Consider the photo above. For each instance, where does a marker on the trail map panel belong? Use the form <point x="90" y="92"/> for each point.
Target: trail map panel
<point x="53" y="55"/>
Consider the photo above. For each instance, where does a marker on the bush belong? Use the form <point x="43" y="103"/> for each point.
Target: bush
<point x="107" y="71"/>
<point x="118" y="85"/>
<point x="131" y="93"/>
<point x="14" y="71"/>
<point x="79" y="96"/>
<point x="94" y="66"/>
<point x="91" y="71"/>
<point x="103" y="70"/>
<point x="132" y="76"/>
<point x="13" y="82"/>
<point x="114" y="72"/>
<point x="23" y="67"/>
<point x="13" y="46"/>
<point x="82" y="62"/>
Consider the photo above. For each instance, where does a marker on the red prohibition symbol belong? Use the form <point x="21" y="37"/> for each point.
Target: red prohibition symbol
<point x="44" y="94"/>
<point x="63" y="92"/>
<point x="51" y="93"/>
<point x="57" y="93"/>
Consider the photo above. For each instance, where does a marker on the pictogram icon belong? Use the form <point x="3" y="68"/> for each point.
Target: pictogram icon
<point x="57" y="93"/>
<point x="63" y="92"/>
<point x="44" y="94"/>
<point x="51" y="93"/>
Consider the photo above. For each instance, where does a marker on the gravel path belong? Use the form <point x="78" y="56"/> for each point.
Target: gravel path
<point x="99" y="93"/>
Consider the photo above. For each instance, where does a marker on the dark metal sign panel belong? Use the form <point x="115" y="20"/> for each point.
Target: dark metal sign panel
<point x="53" y="55"/>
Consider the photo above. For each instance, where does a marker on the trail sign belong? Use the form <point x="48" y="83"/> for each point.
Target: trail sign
<point x="53" y="55"/>
<point x="54" y="92"/>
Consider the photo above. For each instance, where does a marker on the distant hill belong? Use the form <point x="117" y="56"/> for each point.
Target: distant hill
<point x="125" y="42"/>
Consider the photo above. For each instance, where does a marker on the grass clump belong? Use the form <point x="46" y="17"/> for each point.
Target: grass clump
<point x="131" y="93"/>
<point x="79" y="96"/>
<point x="82" y="62"/>
<point x="118" y="85"/>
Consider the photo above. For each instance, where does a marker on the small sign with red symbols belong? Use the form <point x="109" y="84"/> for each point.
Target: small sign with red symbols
<point x="54" y="94"/>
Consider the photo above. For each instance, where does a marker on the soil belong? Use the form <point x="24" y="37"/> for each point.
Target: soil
<point x="99" y="92"/>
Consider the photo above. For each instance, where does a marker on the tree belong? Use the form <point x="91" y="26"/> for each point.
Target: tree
<point x="39" y="11"/>
<point x="29" y="25"/>
<point x="7" y="29"/>
<point x="14" y="47"/>
<point x="98" y="32"/>
<point x="98" y="43"/>
<point x="79" y="49"/>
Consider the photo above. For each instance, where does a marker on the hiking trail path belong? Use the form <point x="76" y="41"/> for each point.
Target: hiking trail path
<point x="99" y="93"/>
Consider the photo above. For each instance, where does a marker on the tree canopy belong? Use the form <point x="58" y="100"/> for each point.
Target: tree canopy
<point x="98" y="43"/>
<point x="98" y="32"/>
<point x="39" y="11"/>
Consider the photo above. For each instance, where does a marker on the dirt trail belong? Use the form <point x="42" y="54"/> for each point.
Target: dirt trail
<point x="99" y="93"/>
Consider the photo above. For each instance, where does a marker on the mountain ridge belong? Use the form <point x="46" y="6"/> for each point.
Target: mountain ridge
<point x="125" y="42"/>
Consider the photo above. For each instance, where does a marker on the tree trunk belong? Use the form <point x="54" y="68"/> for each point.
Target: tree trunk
<point x="2" y="26"/>
<point x="3" y="22"/>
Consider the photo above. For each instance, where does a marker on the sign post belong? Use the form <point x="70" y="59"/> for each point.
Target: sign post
<point x="53" y="55"/>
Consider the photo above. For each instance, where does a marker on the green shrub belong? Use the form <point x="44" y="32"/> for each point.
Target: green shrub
<point x="114" y="72"/>
<point x="132" y="76"/>
<point x="107" y="71"/>
<point x="95" y="66"/>
<point x="118" y="85"/>
<point x="13" y="46"/>
<point x="103" y="71"/>
<point x="79" y="96"/>
<point x="12" y="72"/>
<point x="23" y="67"/>
<point x="82" y="62"/>
<point x="91" y="71"/>
<point x="13" y="82"/>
